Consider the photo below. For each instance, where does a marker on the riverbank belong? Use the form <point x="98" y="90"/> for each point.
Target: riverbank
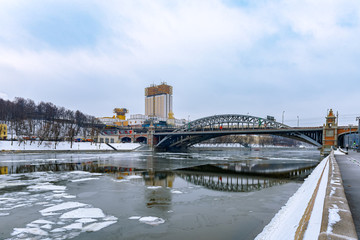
<point x="318" y="209"/>
<point x="37" y="146"/>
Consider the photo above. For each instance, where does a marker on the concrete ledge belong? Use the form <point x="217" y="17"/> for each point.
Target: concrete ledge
<point x="337" y="221"/>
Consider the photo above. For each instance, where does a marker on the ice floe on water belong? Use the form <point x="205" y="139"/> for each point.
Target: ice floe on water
<point x="42" y="221"/>
<point x="33" y="231"/>
<point x="63" y="206"/>
<point x="154" y="187"/>
<point x="71" y="223"/>
<point x="46" y="187"/>
<point x="84" y="213"/>
<point x="58" y="216"/>
<point x="84" y="179"/>
<point x="176" y="191"/>
<point x="152" y="220"/>
<point x="86" y="220"/>
<point x="148" y="220"/>
<point x="93" y="227"/>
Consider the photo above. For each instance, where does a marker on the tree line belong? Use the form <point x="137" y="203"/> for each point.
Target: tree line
<point x="46" y="121"/>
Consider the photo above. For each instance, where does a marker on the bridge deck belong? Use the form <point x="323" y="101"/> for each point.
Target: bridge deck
<point x="241" y="131"/>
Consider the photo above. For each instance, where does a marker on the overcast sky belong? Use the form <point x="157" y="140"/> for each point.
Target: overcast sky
<point x="259" y="57"/>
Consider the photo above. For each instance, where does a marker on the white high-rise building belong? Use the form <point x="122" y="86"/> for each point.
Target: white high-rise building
<point x="158" y="101"/>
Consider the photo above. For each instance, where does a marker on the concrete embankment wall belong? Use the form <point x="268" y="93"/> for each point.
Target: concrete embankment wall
<point x="337" y="221"/>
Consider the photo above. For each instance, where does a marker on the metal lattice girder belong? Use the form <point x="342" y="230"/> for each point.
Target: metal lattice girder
<point x="226" y="121"/>
<point x="231" y="121"/>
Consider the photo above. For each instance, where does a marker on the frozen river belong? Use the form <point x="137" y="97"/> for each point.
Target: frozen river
<point x="229" y="194"/>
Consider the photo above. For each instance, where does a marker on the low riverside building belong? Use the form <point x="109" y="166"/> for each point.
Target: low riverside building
<point x="3" y="131"/>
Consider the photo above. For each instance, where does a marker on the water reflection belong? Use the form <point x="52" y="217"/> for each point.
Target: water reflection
<point x="241" y="176"/>
<point x="230" y="182"/>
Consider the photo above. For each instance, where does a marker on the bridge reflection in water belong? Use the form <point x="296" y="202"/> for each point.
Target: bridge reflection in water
<point x="231" y="183"/>
<point x="236" y="177"/>
<point x="231" y="177"/>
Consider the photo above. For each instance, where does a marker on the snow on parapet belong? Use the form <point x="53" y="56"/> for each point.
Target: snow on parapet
<point x="286" y="221"/>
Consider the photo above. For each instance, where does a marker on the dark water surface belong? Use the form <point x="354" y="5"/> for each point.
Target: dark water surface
<point x="228" y="194"/>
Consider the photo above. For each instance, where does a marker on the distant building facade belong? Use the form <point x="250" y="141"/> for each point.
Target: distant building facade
<point x="3" y="131"/>
<point x="159" y="101"/>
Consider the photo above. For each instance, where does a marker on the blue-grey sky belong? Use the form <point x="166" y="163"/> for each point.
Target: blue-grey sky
<point x="221" y="56"/>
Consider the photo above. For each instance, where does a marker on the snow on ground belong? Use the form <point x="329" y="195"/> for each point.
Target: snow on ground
<point x="338" y="152"/>
<point x="58" y="218"/>
<point x="291" y="214"/>
<point x="64" y="146"/>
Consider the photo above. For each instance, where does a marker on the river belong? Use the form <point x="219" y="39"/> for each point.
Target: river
<point x="200" y="194"/>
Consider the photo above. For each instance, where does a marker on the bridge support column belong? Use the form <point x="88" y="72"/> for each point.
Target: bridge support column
<point x="150" y="136"/>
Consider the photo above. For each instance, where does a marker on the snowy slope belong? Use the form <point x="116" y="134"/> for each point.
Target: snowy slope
<point x="63" y="146"/>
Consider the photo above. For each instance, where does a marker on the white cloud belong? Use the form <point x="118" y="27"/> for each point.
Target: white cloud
<point x="278" y="50"/>
<point x="3" y="96"/>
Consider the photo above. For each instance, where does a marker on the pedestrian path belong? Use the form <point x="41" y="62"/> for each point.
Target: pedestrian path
<point x="350" y="171"/>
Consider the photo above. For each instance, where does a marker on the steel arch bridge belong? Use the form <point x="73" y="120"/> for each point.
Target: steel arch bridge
<point x="230" y="124"/>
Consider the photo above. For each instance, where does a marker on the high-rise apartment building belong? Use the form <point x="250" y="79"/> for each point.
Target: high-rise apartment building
<point x="158" y="100"/>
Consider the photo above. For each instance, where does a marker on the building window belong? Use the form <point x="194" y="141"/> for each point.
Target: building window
<point x="101" y="140"/>
<point x="329" y="133"/>
<point x="112" y="140"/>
<point x="106" y="140"/>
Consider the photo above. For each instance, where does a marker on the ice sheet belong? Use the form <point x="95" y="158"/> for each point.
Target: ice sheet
<point x="152" y="220"/>
<point x="154" y="187"/>
<point x="84" y="179"/>
<point x="93" y="227"/>
<point x="34" y="231"/>
<point x="42" y="221"/>
<point x="46" y="187"/>
<point x="84" y="213"/>
<point x="63" y="206"/>
<point x="73" y="226"/>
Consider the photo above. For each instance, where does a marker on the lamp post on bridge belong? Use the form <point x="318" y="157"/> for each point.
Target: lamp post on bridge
<point x="283" y="117"/>
<point x="350" y="126"/>
<point x="298" y="121"/>
<point x="358" y="119"/>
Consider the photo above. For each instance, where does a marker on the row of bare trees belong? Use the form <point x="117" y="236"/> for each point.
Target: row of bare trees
<point x="45" y="121"/>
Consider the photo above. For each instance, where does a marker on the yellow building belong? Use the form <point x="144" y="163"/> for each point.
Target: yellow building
<point x="4" y="170"/>
<point x="3" y="131"/>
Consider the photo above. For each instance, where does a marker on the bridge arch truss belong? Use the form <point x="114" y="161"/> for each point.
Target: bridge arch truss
<point x="231" y="124"/>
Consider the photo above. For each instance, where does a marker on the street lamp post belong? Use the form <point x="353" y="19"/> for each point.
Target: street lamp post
<point x="349" y="136"/>
<point x="298" y="121"/>
<point x="283" y="117"/>
<point x="358" y="119"/>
